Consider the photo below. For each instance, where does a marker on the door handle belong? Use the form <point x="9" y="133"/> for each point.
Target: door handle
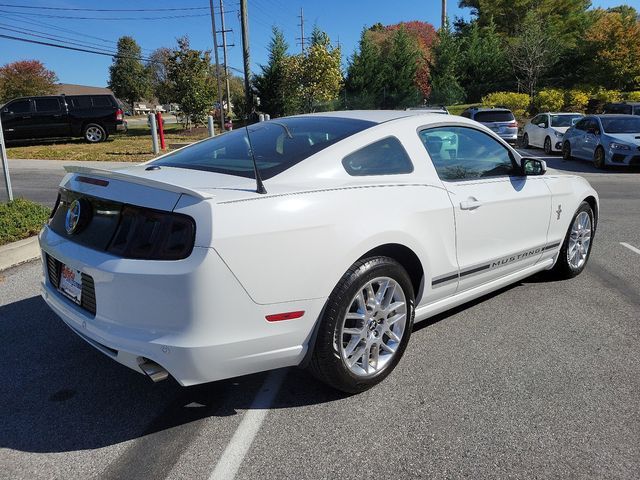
<point x="470" y="204"/>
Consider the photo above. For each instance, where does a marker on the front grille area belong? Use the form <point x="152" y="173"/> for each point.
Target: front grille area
<point x="635" y="161"/>
<point x="88" y="296"/>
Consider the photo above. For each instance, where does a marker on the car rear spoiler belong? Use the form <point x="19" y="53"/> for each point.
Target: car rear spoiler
<point x="147" y="182"/>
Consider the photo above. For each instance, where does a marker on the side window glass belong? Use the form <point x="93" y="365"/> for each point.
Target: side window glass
<point x="47" y="104"/>
<point x="80" y="103"/>
<point x="101" y="101"/>
<point x="581" y="125"/>
<point x="21" y="106"/>
<point x="462" y="153"/>
<point x="384" y="157"/>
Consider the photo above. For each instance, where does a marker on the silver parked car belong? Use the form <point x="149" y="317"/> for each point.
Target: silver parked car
<point x="500" y="120"/>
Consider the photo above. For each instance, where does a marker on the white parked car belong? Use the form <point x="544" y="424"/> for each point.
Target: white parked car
<point x="546" y="130"/>
<point x="356" y="225"/>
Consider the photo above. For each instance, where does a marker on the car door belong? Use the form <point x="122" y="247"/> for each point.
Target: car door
<point x="49" y="117"/>
<point x="538" y="131"/>
<point x="16" y="119"/>
<point x="530" y="130"/>
<point x="501" y="215"/>
<point x="591" y="138"/>
<point x="576" y="135"/>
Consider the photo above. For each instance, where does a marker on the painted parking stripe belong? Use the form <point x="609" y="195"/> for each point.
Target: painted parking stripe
<point x="232" y="457"/>
<point x="630" y="247"/>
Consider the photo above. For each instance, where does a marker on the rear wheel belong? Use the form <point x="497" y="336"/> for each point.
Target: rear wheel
<point x="566" y="151"/>
<point x="576" y="247"/>
<point x="598" y="158"/>
<point x="547" y="146"/>
<point x="525" y="141"/>
<point x="365" y="327"/>
<point x="94" y="133"/>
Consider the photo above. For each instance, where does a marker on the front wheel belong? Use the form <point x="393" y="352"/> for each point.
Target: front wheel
<point x="547" y="146"/>
<point x="94" y="133"/>
<point x="576" y="247"/>
<point x="598" y="158"/>
<point x="365" y="327"/>
<point x="566" y="151"/>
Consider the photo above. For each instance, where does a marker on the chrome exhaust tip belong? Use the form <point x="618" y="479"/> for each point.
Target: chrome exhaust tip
<point x="154" y="371"/>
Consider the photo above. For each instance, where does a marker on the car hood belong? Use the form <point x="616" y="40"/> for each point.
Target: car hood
<point x="633" y="138"/>
<point x="562" y="130"/>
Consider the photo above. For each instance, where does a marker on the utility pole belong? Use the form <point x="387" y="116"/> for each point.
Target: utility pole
<point x="215" y="51"/>
<point x="5" y="165"/>
<point x="301" y="16"/>
<point x="224" y="54"/>
<point x="444" y="14"/>
<point x="244" y="21"/>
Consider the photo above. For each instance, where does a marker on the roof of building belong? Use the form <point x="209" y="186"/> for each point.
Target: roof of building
<point x="73" y="89"/>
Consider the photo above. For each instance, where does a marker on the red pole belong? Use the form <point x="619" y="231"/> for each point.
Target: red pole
<point x="160" y="130"/>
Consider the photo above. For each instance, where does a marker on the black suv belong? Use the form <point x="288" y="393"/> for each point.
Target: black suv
<point x="93" y="117"/>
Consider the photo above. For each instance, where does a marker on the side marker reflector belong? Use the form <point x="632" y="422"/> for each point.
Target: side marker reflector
<point x="284" y="316"/>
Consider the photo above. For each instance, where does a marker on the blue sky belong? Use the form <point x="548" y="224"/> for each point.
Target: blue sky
<point x="342" y="20"/>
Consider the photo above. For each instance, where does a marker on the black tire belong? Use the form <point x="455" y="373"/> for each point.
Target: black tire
<point x="327" y="363"/>
<point x="598" y="158"/>
<point x="566" y="151"/>
<point x="525" y="141"/>
<point x="94" y="133"/>
<point x="547" y="146"/>
<point x="563" y="269"/>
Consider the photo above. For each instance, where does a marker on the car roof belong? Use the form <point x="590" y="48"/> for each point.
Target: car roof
<point x="376" y="116"/>
<point x="561" y="113"/>
<point x="612" y="115"/>
<point x="623" y="103"/>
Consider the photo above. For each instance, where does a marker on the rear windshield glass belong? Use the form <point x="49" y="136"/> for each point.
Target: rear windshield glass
<point x="499" y="116"/>
<point x="564" y="120"/>
<point x="621" y="124"/>
<point x="277" y="145"/>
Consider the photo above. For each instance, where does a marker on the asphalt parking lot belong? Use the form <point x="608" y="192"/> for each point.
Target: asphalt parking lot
<point x="539" y="380"/>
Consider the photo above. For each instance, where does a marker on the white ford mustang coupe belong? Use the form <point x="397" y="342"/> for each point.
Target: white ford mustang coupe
<point x="314" y="240"/>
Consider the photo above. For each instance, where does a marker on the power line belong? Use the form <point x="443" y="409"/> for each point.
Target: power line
<point x="69" y="9"/>
<point x="167" y="17"/>
<point x="47" y="37"/>
<point x="28" y="40"/>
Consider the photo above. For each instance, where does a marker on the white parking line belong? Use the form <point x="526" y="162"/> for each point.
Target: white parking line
<point x="630" y="247"/>
<point x="232" y="457"/>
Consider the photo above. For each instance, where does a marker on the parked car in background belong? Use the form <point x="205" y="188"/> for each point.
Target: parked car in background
<point x="546" y="130"/>
<point x="431" y="109"/>
<point x="93" y="117"/>
<point x="313" y="240"/>
<point x="604" y="139"/>
<point x="500" y="120"/>
<point x="625" y="108"/>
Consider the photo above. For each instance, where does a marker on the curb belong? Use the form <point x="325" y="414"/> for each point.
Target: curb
<point x="22" y="251"/>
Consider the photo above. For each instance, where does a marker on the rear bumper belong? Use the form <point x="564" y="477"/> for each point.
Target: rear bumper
<point x="121" y="127"/>
<point x="190" y="316"/>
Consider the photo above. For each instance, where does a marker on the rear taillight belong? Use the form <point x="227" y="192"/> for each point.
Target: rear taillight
<point x="513" y="124"/>
<point x="153" y="235"/>
<point x="119" y="114"/>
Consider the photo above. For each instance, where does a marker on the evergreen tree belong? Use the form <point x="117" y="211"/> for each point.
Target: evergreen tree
<point x="400" y="90"/>
<point x="271" y="82"/>
<point x="365" y="75"/>
<point x="445" y="69"/>
<point x="127" y="76"/>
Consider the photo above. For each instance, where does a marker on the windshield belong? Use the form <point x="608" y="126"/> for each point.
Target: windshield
<point x="277" y="145"/>
<point x="494" y="116"/>
<point x="621" y="124"/>
<point x="564" y="120"/>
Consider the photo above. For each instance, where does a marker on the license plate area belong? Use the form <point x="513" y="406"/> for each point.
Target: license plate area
<point x="70" y="284"/>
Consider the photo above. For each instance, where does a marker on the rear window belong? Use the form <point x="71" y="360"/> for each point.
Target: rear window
<point x="494" y="116"/>
<point x="277" y="146"/>
<point x="564" y="120"/>
<point x="101" y="101"/>
<point x="384" y="157"/>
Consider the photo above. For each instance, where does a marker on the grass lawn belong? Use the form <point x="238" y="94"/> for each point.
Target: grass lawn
<point x="21" y="219"/>
<point x="134" y="146"/>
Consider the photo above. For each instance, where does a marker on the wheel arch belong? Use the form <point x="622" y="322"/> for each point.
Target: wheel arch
<point x="405" y="257"/>
<point x="593" y="203"/>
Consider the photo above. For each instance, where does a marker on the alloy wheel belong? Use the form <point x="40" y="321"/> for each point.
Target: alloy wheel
<point x="579" y="240"/>
<point x="93" y="134"/>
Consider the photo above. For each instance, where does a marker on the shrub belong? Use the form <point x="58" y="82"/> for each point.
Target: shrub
<point x="516" y="102"/>
<point x="576" y="100"/>
<point x="549" y="100"/>
<point x="632" y="96"/>
<point x="607" y="96"/>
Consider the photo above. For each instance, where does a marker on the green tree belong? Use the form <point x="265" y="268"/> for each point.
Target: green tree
<point x="400" y="67"/>
<point x="484" y="67"/>
<point x="127" y="76"/>
<point x="191" y="75"/>
<point x="25" y="78"/>
<point x="270" y="84"/>
<point x="445" y="69"/>
<point x="159" y="83"/>
<point x="365" y="78"/>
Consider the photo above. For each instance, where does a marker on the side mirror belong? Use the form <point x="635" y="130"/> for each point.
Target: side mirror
<point x="6" y="110"/>
<point x="542" y="125"/>
<point x="533" y="166"/>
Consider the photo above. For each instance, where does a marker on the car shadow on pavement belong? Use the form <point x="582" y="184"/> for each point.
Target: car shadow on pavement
<point x="60" y="394"/>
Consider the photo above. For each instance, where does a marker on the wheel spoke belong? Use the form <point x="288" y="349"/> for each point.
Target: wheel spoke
<point x="387" y="348"/>
<point x="396" y="318"/>
<point x="395" y="306"/>
<point x="392" y="335"/>
<point x="351" y="361"/>
<point x="365" y="358"/>
<point x="375" y="350"/>
<point x="351" y="346"/>
<point x="382" y="291"/>
<point x="353" y="331"/>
